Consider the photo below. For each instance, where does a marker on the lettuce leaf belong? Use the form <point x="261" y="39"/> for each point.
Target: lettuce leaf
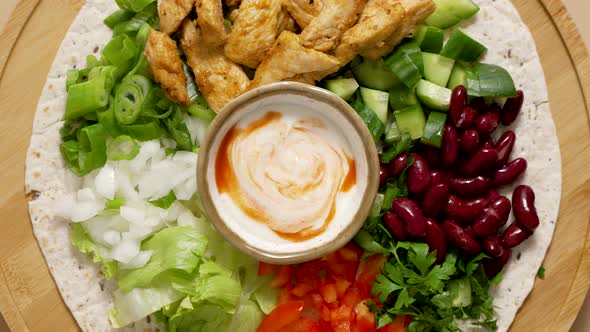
<point x="174" y="248"/>
<point x="82" y="240"/>
<point x="140" y="302"/>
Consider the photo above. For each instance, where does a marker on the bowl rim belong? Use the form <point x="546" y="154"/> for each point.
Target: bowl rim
<point x="367" y="198"/>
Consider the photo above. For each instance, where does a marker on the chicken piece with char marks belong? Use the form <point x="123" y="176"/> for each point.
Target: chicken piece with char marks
<point x="210" y="21"/>
<point x="323" y="33"/>
<point x="166" y="66"/>
<point x="254" y="31"/>
<point x="288" y="58"/>
<point x="172" y="12"/>
<point x="219" y="79"/>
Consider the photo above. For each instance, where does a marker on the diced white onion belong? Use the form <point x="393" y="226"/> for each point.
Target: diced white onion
<point x="105" y="182"/>
<point x="125" y="251"/>
<point x="140" y="260"/>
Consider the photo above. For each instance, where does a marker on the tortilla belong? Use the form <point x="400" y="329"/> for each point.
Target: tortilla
<point x="89" y="296"/>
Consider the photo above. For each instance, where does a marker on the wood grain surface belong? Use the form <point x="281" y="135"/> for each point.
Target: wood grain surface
<point x="29" y="300"/>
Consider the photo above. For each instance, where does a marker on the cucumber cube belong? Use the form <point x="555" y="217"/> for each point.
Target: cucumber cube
<point x="433" y="96"/>
<point x="462" y="47"/>
<point x="374" y="74"/>
<point x="433" y="131"/>
<point x="429" y="38"/>
<point x="437" y="68"/>
<point x="458" y="76"/>
<point x="402" y="97"/>
<point x="411" y="120"/>
<point x="377" y="101"/>
<point x="342" y="87"/>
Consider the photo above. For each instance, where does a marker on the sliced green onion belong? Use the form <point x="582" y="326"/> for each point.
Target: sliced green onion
<point x="70" y="129"/>
<point x="120" y="52"/>
<point x="108" y="73"/>
<point x="142" y="82"/>
<point x="178" y="130"/>
<point x="122" y="148"/>
<point x="86" y="97"/>
<point x="133" y="5"/>
<point x="117" y="17"/>
<point x="115" y="203"/>
<point x="142" y="35"/>
<point x="155" y="105"/>
<point x="88" y="153"/>
<point x="201" y="110"/>
<point x="72" y="77"/>
<point x="141" y="67"/>
<point x="165" y="201"/>
<point x="143" y="130"/>
<point x="92" y="61"/>
<point x="128" y="101"/>
<point x="106" y="117"/>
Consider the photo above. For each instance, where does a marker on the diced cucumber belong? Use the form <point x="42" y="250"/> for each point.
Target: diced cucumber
<point x="433" y="96"/>
<point x="377" y="101"/>
<point x="429" y="38"/>
<point x="433" y="130"/>
<point x="485" y="80"/>
<point x="458" y="76"/>
<point x="437" y="68"/>
<point x="442" y="19"/>
<point x="374" y="74"/>
<point x="411" y="120"/>
<point x="401" y="97"/>
<point x="462" y="47"/>
<point x="342" y="87"/>
<point x="462" y="8"/>
<point x="393" y="135"/>
<point x="451" y="12"/>
<point x="412" y="49"/>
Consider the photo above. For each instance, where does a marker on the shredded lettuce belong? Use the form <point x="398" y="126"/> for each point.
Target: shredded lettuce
<point x="140" y="302"/>
<point x="81" y="240"/>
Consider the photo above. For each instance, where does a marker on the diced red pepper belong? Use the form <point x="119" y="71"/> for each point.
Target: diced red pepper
<point x="301" y="289"/>
<point x="266" y="268"/>
<point x="348" y="254"/>
<point x="329" y="293"/>
<point x="282" y="278"/>
<point x="341" y="286"/>
<point x="365" y="319"/>
<point x="285" y="296"/>
<point x="281" y="316"/>
<point x="352" y="297"/>
<point x="341" y="314"/>
<point x="303" y="324"/>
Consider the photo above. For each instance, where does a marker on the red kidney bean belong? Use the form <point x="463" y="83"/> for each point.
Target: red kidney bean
<point x="488" y="144"/>
<point x="510" y="172"/>
<point x="482" y="160"/>
<point x="469" y="141"/>
<point x="431" y="155"/>
<point x="418" y="176"/>
<point x="487" y="223"/>
<point x="523" y="205"/>
<point x="486" y="123"/>
<point x="466" y="118"/>
<point x="493" y="246"/>
<point x="514" y="235"/>
<point x="435" y="200"/>
<point x="511" y="108"/>
<point x="398" y="165"/>
<point x="395" y="226"/>
<point x="464" y="211"/>
<point x="492" y="195"/>
<point x="449" y="147"/>
<point x="502" y="205"/>
<point x="458" y="238"/>
<point x="468" y="230"/>
<point x="436" y="177"/>
<point x="458" y="102"/>
<point x="479" y="104"/>
<point x="383" y="175"/>
<point x="504" y="146"/>
<point x="494" y="266"/>
<point x="469" y="187"/>
<point x="435" y="238"/>
<point x="409" y="212"/>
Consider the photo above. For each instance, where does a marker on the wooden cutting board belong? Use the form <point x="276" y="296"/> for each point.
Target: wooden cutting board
<point x="29" y="299"/>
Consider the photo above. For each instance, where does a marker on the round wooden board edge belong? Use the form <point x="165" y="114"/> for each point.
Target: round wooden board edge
<point x="561" y="19"/>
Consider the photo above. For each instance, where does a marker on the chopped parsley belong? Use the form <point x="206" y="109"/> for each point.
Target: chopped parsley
<point x="541" y="273"/>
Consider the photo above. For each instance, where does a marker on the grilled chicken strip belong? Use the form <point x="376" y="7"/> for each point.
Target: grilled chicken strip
<point x="288" y="58"/>
<point x="379" y="19"/>
<point x="416" y="12"/>
<point x="219" y="79"/>
<point x="254" y="31"/>
<point x="210" y="21"/>
<point x="303" y="11"/>
<point x="231" y="3"/>
<point x="172" y="12"/>
<point x="324" y="31"/>
<point x="166" y="66"/>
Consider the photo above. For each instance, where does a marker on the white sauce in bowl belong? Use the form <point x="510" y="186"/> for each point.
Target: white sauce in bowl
<point x="286" y="173"/>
